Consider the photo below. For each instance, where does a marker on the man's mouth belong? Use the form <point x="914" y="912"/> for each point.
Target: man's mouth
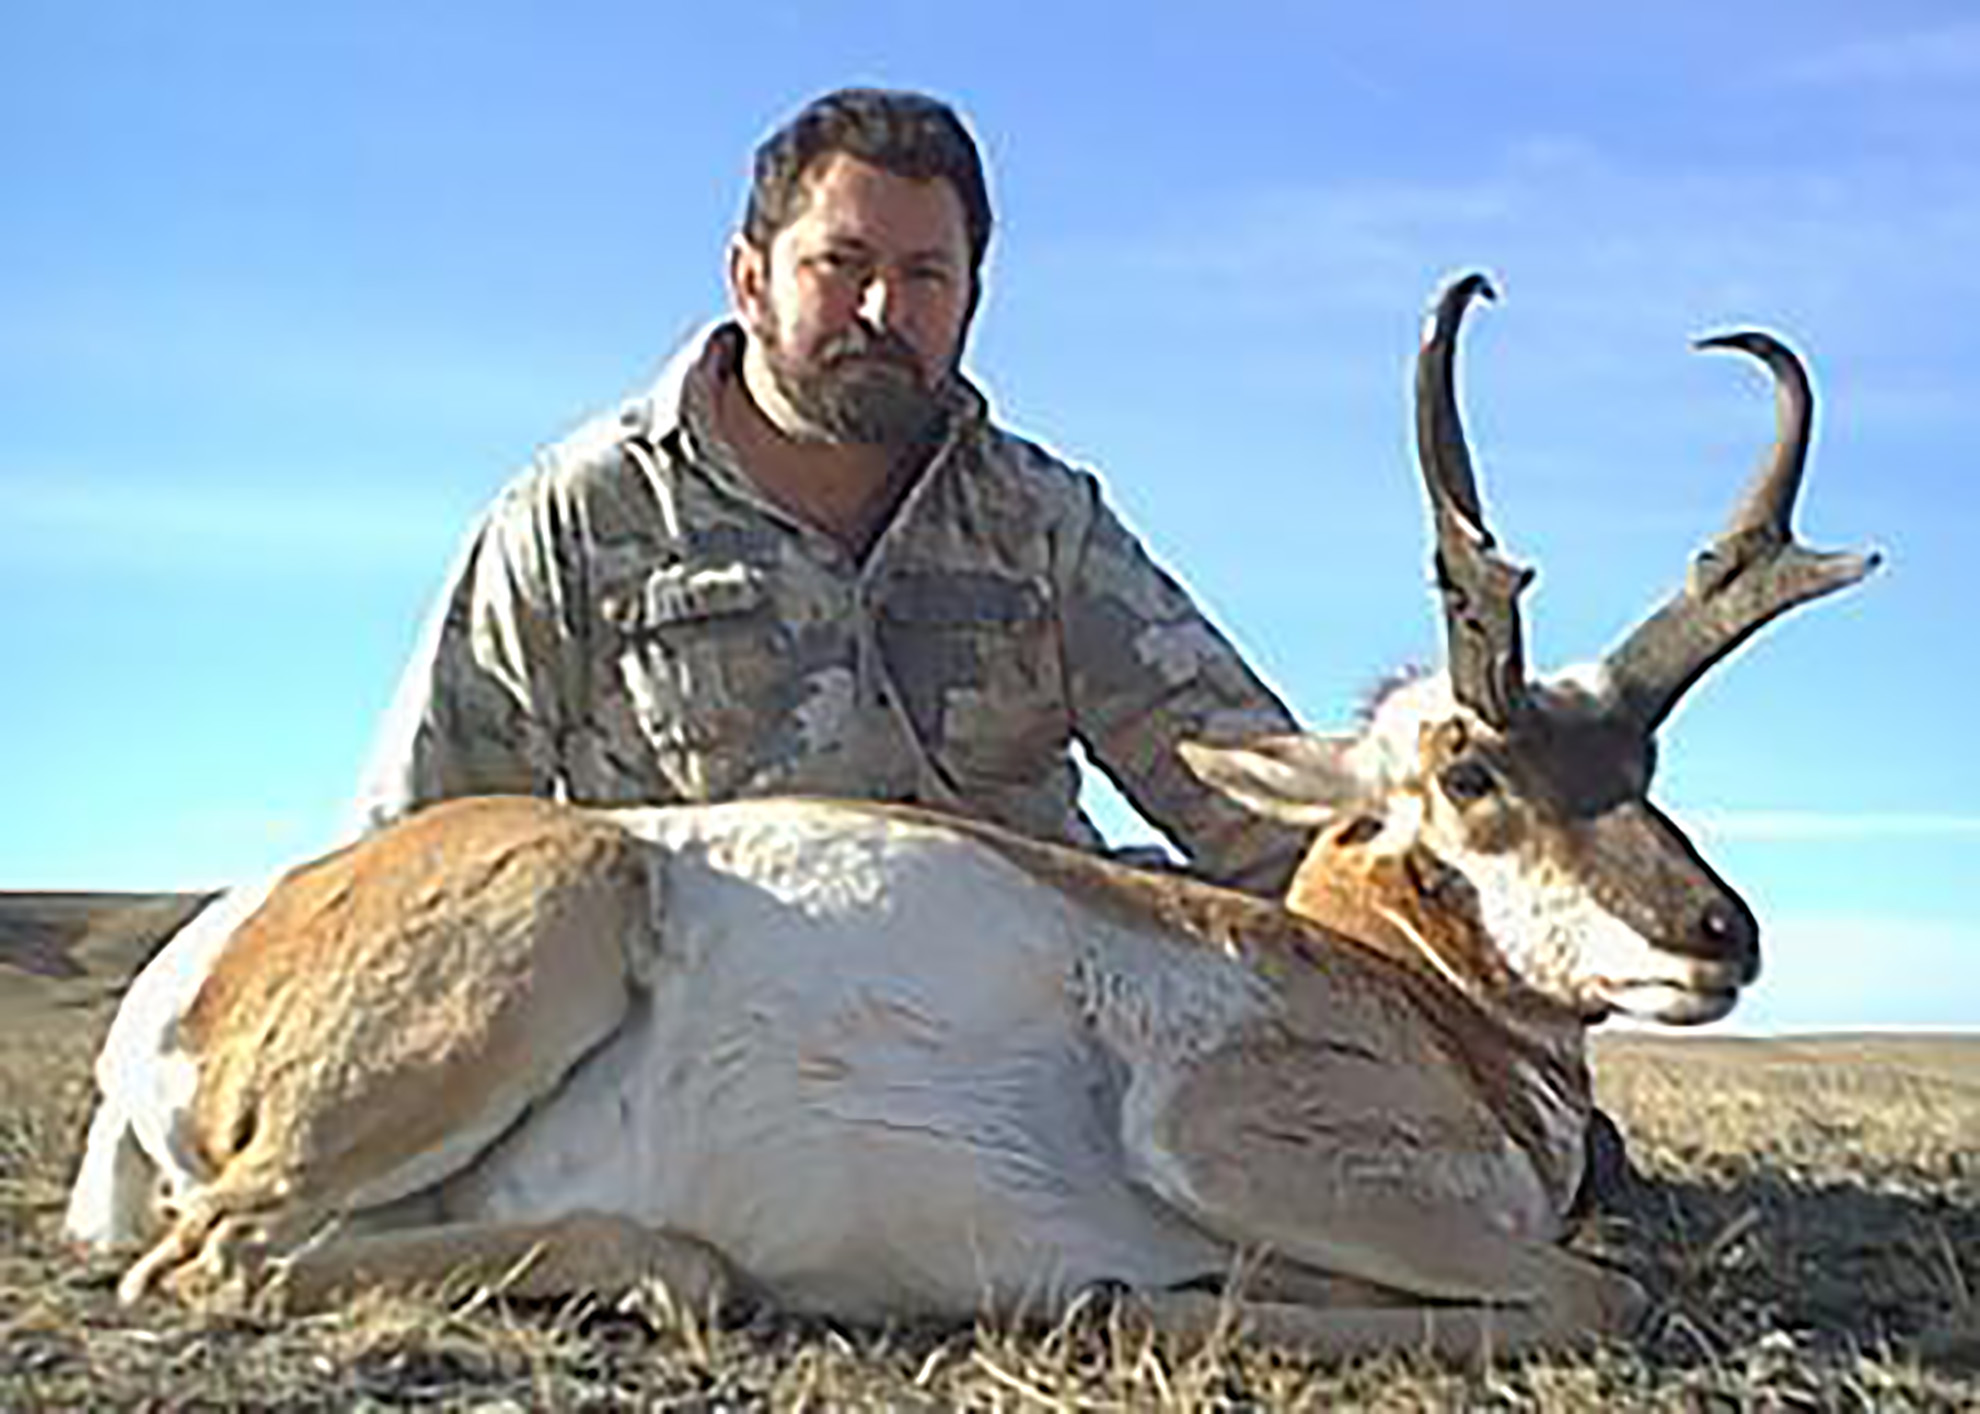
<point x="867" y="347"/>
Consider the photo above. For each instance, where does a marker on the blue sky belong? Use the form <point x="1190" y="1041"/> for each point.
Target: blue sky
<point x="287" y="293"/>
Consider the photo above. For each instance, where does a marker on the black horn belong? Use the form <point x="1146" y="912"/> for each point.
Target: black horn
<point x="1749" y="574"/>
<point x="1480" y="589"/>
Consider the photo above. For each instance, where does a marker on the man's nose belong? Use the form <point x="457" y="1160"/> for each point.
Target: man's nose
<point x="876" y="302"/>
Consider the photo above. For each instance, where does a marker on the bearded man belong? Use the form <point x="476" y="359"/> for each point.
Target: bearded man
<point x="807" y="562"/>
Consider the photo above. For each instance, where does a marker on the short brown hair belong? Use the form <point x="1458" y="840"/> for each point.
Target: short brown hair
<point x="909" y="134"/>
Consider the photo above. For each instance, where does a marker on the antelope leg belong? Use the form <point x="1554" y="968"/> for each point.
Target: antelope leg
<point x="1362" y="1168"/>
<point x="582" y="1252"/>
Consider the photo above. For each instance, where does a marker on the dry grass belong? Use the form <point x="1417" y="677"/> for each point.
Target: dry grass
<point x="1807" y="1216"/>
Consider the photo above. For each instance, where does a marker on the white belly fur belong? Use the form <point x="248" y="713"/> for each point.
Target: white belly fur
<point x="146" y="1083"/>
<point x="864" y="1117"/>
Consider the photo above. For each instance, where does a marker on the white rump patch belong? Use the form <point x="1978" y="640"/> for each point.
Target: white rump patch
<point x="147" y="1084"/>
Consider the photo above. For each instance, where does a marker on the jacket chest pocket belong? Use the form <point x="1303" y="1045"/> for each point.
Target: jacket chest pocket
<point x="975" y="659"/>
<point x="703" y="655"/>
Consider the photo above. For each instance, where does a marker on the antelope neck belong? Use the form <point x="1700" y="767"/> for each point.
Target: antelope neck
<point x="1526" y="1054"/>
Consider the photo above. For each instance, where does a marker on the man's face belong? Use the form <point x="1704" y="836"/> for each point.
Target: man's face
<point x="860" y="304"/>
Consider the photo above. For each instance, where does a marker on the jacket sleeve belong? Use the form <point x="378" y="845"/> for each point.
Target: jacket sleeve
<point x="484" y="705"/>
<point x="1148" y="670"/>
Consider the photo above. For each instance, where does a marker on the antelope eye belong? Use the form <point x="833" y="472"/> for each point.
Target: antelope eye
<point x="1467" y="780"/>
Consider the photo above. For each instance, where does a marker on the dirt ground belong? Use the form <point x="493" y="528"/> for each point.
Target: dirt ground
<point x="1805" y="1212"/>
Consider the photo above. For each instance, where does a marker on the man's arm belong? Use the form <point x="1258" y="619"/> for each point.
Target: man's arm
<point x="482" y="706"/>
<point x="1148" y="670"/>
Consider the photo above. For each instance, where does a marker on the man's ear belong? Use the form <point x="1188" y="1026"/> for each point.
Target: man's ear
<point x="749" y="279"/>
<point x="1302" y="778"/>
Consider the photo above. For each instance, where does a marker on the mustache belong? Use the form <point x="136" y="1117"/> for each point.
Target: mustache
<point x="861" y="341"/>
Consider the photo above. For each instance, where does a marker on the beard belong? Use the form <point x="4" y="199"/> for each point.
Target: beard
<point x="864" y="386"/>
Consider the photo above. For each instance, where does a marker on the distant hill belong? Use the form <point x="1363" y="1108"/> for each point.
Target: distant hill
<point x="63" y="953"/>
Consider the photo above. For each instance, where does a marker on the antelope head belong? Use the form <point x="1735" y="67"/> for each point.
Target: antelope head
<point x="1499" y="826"/>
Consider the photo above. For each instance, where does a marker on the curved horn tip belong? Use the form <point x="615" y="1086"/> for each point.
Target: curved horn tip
<point x="1759" y="343"/>
<point x="1463" y="290"/>
<point x="1451" y="304"/>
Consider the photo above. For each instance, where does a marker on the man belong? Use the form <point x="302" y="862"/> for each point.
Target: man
<point x="807" y="562"/>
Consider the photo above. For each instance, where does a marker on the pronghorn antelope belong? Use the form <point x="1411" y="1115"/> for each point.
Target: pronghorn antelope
<point x="867" y="1060"/>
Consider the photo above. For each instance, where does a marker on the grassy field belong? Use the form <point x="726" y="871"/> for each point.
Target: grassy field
<point x="1806" y="1214"/>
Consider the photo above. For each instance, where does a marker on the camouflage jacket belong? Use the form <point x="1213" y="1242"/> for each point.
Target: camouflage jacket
<point x="634" y="622"/>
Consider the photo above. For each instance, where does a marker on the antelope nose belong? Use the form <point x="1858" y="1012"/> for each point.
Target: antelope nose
<point x="1728" y="931"/>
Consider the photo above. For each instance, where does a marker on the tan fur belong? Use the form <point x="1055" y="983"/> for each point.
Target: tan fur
<point x="1369" y="916"/>
<point x="392" y="993"/>
<point x="578" y="1252"/>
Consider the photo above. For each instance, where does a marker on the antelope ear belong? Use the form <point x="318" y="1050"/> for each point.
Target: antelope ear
<point x="1302" y="778"/>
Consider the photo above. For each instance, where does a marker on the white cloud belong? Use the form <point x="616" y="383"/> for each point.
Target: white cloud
<point x="1815" y="825"/>
<point x="1852" y="243"/>
<point x="1853" y="972"/>
<point x="323" y="364"/>
<point x="210" y="845"/>
<point x="1947" y="53"/>
<point x="90" y="520"/>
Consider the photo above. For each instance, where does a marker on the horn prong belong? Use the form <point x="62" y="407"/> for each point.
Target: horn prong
<point x="1748" y="574"/>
